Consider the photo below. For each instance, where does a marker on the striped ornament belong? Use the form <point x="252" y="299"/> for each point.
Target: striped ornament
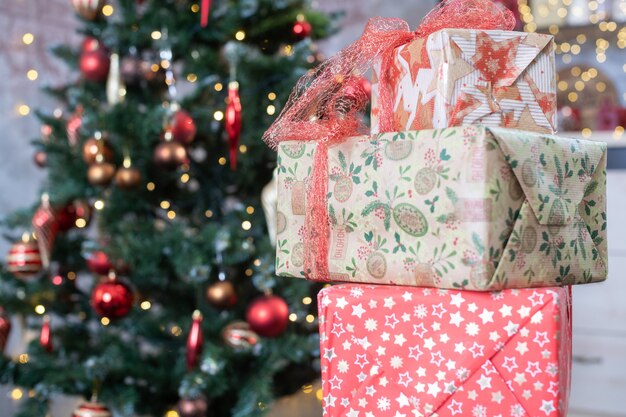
<point x="24" y="259"/>
<point x="91" y="409"/>
<point x="88" y="9"/>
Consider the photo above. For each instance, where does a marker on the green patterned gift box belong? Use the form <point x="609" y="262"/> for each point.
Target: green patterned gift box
<point x="469" y="207"/>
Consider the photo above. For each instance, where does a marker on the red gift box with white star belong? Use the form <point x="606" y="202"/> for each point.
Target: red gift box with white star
<point x="460" y="76"/>
<point x="390" y="351"/>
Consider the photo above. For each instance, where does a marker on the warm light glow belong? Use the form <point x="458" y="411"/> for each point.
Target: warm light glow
<point x="562" y="85"/>
<point x="39" y="309"/>
<point x="601" y="58"/>
<point x="155" y="35"/>
<point x="243" y="148"/>
<point x="150" y="186"/>
<point x="310" y="318"/>
<point x="218" y="115"/>
<point x="307" y="300"/>
<point x="553" y="29"/>
<point x="271" y="96"/>
<point x="579" y="85"/>
<point x="32" y="74"/>
<point x="271" y="109"/>
<point x="240" y="35"/>
<point x="288" y="50"/>
<point x="249" y="272"/>
<point x="208" y="213"/>
<point x="573" y="97"/>
<point x="249" y="209"/>
<point x="57" y="113"/>
<point x="145" y="305"/>
<point x="567" y="58"/>
<point x="618" y="132"/>
<point x="221" y="161"/>
<point x="80" y="223"/>
<point x="107" y="10"/>
<point x="184" y="178"/>
<point x="218" y="87"/>
<point x="293" y="317"/>
<point x="165" y="204"/>
<point x="171" y="214"/>
<point x="581" y="38"/>
<point x="319" y="394"/>
<point x="23" y="358"/>
<point x="23" y="110"/>
<point x="601" y="87"/>
<point x="105" y="321"/>
<point x="586" y="132"/>
<point x="192" y="78"/>
<point x="575" y="49"/>
<point x="194" y="8"/>
<point x="246" y="225"/>
<point x="173" y="413"/>
<point x="154" y="67"/>
<point x="98" y="204"/>
<point x="257" y="262"/>
<point x="28" y="38"/>
<point x="307" y="389"/>
<point x="71" y="275"/>
<point x="16" y="394"/>
<point x="176" y="331"/>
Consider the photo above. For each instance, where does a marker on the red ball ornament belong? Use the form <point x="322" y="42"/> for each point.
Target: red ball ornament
<point x="24" y="259"/>
<point x="94" y="65"/>
<point x="112" y="298"/>
<point x="91" y="44"/>
<point x="183" y="127"/>
<point x="91" y="409"/>
<point x="268" y="315"/>
<point x="68" y="215"/>
<point x="301" y="29"/>
<point x="99" y="263"/>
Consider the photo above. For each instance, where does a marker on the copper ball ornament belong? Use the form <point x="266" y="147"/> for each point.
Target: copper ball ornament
<point x="101" y="173"/>
<point x="193" y="407"/>
<point x="221" y="295"/>
<point x="24" y="259"/>
<point x="239" y="336"/>
<point x="170" y="155"/>
<point x="94" y="147"/>
<point x="183" y="127"/>
<point x="99" y="263"/>
<point x="41" y="159"/>
<point x="127" y="178"/>
<point x="268" y="315"/>
<point x="91" y="409"/>
<point x="112" y="298"/>
<point x="94" y="65"/>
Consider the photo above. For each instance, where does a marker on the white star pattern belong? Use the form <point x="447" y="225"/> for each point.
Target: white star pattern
<point x="536" y="299"/>
<point x="380" y="360"/>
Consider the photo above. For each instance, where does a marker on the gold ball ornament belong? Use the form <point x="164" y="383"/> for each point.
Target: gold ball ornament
<point x="170" y="155"/>
<point x="94" y="147"/>
<point x="127" y="178"/>
<point x="196" y="407"/>
<point x="101" y="173"/>
<point x="221" y="295"/>
<point x="91" y="409"/>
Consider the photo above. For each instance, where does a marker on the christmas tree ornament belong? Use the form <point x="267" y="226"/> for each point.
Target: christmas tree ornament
<point x="41" y="159"/>
<point x="301" y="28"/>
<point x="132" y="68"/>
<point x="91" y="44"/>
<point x="195" y="341"/>
<point x="183" y="127"/>
<point x="97" y="145"/>
<point x="73" y="125"/>
<point x="239" y="336"/>
<point x="112" y="298"/>
<point x="5" y="329"/>
<point x="269" y="199"/>
<point x="268" y="315"/>
<point x="221" y="295"/>
<point x="45" y="227"/>
<point x="91" y="409"/>
<point x="169" y="154"/>
<point x="88" y="9"/>
<point x="98" y="262"/>
<point x="127" y="178"/>
<point x="232" y="121"/>
<point x="94" y="65"/>
<point x="101" y="172"/>
<point x="45" y="339"/>
<point x="193" y="407"/>
<point x="205" y="9"/>
<point x="77" y="211"/>
<point x="115" y="88"/>
<point x="24" y="259"/>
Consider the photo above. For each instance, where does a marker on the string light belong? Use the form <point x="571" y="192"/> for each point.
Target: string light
<point x="250" y="210"/>
<point x="184" y="178"/>
<point x="32" y="74"/>
<point x="586" y="132"/>
<point x="192" y="78"/>
<point x="221" y="161"/>
<point x="310" y="318"/>
<point x="80" y="223"/>
<point x="246" y="225"/>
<point x="218" y="115"/>
<point x="240" y="35"/>
<point x="16" y="394"/>
<point x="150" y="186"/>
<point x="145" y="305"/>
<point x="98" y="204"/>
<point x="23" y="110"/>
<point x="28" y="38"/>
<point x="271" y="109"/>
<point x="165" y="204"/>
<point x="219" y="87"/>
<point x="176" y="331"/>
<point x="257" y="262"/>
<point x="293" y="317"/>
<point x="105" y="321"/>
<point x="195" y="9"/>
<point x="39" y="309"/>
<point x="319" y="394"/>
<point x="307" y="300"/>
<point x="249" y="272"/>
<point x="271" y="96"/>
<point x="174" y="413"/>
<point x="618" y="132"/>
<point x="208" y="214"/>
<point x="156" y="35"/>
<point x="243" y="148"/>
<point x="171" y="214"/>
<point x="71" y="275"/>
<point x="108" y="10"/>
<point x="23" y="358"/>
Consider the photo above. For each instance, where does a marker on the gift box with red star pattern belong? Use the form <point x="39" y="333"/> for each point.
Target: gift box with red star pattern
<point x="390" y="351"/>
<point x="459" y="76"/>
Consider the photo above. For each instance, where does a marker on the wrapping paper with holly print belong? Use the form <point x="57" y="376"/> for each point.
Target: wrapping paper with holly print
<point x="467" y="207"/>
<point x="398" y="351"/>
<point x="459" y="76"/>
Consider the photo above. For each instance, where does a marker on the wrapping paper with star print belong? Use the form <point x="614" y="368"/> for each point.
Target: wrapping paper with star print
<point x="471" y="207"/>
<point x="405" y="352"/>
<point x="458" y="76"/>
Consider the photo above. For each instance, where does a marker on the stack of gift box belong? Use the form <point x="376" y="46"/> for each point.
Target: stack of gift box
<point x="477" y="229"/>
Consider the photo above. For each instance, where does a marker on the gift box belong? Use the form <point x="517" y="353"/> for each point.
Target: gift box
<point x="461" y="76"/>
<point x="397" y="351"/>
<point x="466" y="207"/>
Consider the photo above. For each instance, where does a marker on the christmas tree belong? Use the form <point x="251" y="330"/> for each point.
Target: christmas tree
<point x="146" y="268"/>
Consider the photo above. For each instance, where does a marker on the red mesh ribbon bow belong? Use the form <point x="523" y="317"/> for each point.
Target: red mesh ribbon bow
<point x="326" y="104"/>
